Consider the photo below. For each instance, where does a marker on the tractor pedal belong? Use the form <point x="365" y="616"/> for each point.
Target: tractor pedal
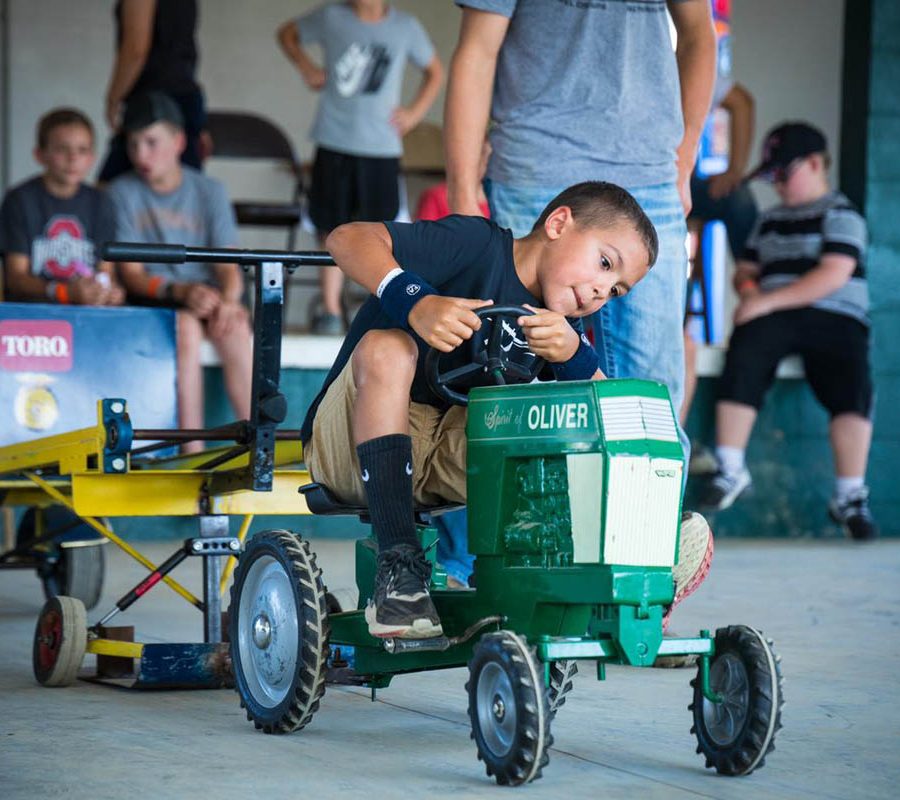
<point x="432" y="644"/>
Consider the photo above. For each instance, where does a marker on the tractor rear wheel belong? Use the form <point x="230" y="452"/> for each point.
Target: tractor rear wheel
<point x="561" y="674"/>
<point x="737" y="734"/>
<point x="279" y="631"/>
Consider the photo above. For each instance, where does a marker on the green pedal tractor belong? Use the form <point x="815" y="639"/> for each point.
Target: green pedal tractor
<point x="574" y="509"/>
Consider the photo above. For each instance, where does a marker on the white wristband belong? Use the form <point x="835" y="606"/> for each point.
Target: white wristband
<point x="386" y="280"/>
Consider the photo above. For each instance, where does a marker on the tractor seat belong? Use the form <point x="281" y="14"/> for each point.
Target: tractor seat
<point x="320" y="500"/>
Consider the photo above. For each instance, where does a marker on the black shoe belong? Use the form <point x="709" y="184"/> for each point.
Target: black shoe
<point x="854" y="517"/>
<point x="402" y="607"/>
<point x="724" y="489"/>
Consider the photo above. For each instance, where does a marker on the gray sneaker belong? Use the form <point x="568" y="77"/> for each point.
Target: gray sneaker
<point x="724" y="489"/>
<point x="326" y="324"/>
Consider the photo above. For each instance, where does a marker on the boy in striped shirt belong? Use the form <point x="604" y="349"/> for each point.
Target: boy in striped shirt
<point x="802" y="288"/>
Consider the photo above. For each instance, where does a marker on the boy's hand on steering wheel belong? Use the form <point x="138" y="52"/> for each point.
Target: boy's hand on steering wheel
<point x="549" y="335"/>
<point x="445" y="322"/>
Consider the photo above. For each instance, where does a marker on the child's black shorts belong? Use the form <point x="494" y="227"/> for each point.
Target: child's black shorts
<point x="348" y="188"/>
<point x="834" y="349"/>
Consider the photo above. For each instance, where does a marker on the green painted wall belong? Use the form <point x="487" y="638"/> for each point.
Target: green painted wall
<point x="870" y="175"/>
<point x="882" y="208"/>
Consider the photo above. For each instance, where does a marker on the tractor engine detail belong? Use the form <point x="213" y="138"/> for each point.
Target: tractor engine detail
<point x="541" y="532"/>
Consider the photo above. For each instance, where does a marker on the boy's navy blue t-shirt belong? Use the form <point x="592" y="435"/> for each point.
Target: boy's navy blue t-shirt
<point x="469" y="257"/>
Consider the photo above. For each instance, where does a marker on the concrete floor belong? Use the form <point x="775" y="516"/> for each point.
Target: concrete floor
<point x="832" y="608"/>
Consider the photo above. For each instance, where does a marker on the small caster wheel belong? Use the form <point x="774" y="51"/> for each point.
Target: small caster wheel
<point x="737" y="734"/>
<point x="508" y="709"/>
<point x="278" y="632"/>
<point x="60" y="640"/>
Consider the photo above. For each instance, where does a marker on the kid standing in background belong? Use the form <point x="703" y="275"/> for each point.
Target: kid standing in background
<point x="360" y="123"/>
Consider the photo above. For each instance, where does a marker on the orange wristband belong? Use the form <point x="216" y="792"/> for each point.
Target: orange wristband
<point x="62" y="293"/>
<point x="154" y="285"/>
<point x="747" y="283"/>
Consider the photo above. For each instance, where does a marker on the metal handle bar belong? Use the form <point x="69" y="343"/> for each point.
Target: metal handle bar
<point x="180" y="254"/>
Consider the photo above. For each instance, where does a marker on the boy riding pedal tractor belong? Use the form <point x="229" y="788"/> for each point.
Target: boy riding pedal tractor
<point x="591" y="244"/>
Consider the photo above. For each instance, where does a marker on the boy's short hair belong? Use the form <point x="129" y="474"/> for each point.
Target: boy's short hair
<point x="57" y="118"/>
<point x="144" y="110"/>
<point x="598" y="204"/>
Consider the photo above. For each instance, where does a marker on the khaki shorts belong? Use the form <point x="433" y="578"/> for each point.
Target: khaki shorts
<point x="438" y="448"/>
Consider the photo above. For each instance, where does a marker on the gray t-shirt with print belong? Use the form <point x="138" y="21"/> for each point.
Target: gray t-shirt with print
<point x="196" y="214"/>
<point x="584" y="89"/>
<point x="364" y="64"/>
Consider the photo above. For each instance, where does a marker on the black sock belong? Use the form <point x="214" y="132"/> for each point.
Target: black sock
<point x="386" y="467"/>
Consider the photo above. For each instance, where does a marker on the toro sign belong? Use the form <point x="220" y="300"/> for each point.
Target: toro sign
<point x="35" y="345"/>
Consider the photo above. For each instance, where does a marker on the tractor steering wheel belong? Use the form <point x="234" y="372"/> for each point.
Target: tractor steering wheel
<point x="491" y="359"/>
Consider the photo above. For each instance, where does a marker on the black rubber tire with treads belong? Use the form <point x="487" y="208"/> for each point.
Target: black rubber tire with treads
<point x="561" y="675"/>
<point x="735" y="737"/>
<point x="292" y="566"/>
<point x="508" y="708"/>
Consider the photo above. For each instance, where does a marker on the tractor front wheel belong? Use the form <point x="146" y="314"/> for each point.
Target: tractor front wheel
<point x="509" y="709"/>
<point x="736" y="734"/>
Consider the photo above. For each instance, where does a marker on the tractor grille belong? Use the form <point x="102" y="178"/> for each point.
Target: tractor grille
<point x="637" y="417"/>
<point x="641" y="519"/>
<point x="642" y="511"/>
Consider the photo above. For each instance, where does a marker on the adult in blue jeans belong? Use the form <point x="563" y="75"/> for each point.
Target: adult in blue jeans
<point x="589" y="91"/>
